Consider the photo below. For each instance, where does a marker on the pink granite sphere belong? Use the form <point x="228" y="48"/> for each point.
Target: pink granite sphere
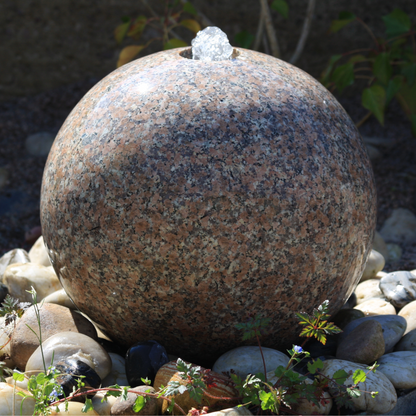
<point x="181" y="197"/>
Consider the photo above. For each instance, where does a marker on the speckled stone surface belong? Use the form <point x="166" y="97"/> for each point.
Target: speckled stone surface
<point x="181" y="196"/>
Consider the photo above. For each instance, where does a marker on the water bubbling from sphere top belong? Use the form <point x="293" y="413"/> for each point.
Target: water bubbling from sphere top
<point x="211" y="44"/>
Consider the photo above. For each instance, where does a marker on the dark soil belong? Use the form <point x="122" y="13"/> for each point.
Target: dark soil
<point x="395" y="170"/>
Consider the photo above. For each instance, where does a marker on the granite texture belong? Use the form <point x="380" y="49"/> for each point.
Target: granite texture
<point x="182" y="196"/>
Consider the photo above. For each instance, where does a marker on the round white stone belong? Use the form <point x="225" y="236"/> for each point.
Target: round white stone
<point x="247" y="360"/>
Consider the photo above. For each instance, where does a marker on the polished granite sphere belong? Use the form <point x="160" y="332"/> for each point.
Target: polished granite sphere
<point x="181" y="197"/>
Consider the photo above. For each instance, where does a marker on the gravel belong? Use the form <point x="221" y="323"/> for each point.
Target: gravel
<point x="395" y="170"/>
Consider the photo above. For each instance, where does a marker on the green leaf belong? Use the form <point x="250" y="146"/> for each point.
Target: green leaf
<point x="409" y="71"/>
<point x="87" y="406"/>
<point x="353" y="393"/>
<point x="120" y="31"/>
<point x="325" y="76"/>
<point x="191" y="24"/>
<point x="18" y="376"/>
<point x="32" y="384"/>
<point x="359" y="376"/>
<point x="243" y="39"/>
<point x="174" y="43"/>
<point x="267" y="400"/>
<point x="128" y="53"/>
<point x="374" y="99"/>
<point x="171" y="406"/>
<point x="397" y="23"/>
<point x="344" y="18"/>
<point x="382" y="68"/>
<point x="281" y="7"/>
<point x="41" y="378"/>
<point x="357" y="58"/>
<point x="340" y="376"/>
<point x="189" y="8"/>
<point x="146" y="381"/>
<point x="113" y="393"/>
<point x="393" y="87"/>
<point x="314" y="366"/>
<point x="137" y="27"/>
<point x="139" y="403"/>
<point x="374" y="394"/>
<point x="343" y="76"/>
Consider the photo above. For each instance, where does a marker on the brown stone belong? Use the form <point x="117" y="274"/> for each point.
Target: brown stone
<point x="125" y="407"/>
<point x="54" y="319"/>
<point x="222" y="386"/>
<point x="181" y="196"/>
<point x="364" y="344"/>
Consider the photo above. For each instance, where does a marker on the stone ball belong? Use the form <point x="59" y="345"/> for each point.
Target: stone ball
<point x="181" y="197"/>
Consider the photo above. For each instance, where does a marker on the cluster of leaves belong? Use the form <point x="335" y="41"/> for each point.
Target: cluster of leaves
<point x="388" y="66"/>
<point x="290" y="386"/>
<point x="12" y="309"/>
<point x="176" y="14"/>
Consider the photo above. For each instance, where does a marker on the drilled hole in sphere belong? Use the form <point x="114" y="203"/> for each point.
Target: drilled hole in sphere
<point x="187" y="53"/>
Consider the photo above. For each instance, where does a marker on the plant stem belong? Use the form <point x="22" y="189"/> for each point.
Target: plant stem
<point x="363" y="120"/>
<point x="305" y="32"/>
<point x="262" y="356"/>
<point x="259" y="33"/>
<point x="369" y="31"/>
<point x="274" y="45"/>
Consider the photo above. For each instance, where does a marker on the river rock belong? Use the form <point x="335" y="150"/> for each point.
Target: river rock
<point x="368" y="289"/>
<point x="393" y="326"/>
<point x="54" y="319"/>
<point x="38" y="253"/>
<point x="60" y="297"/>
<point x="143" y="360"/>
<point x="407" y="342"/>
<point x="6" y="331"/>
<point x="380" y="245"/>
<point x="66" y="344"/>
<point x="400" y="368"/>
<point x="39" y="144"/>
<point x="74" y="409"/>
<point x="345" y="316"/>
<point x="18" y="255"/>
<point x="364" y="344"/>
<point x="125" y="407"/>
<point x="409" y="313"/>
<point x="375" y="264"/>
<point x="400" y="227"/>
<point x="376" y="306"/>
<point x="399" y="288"/>
<point x="232" y="411"/>
<point x="117" y="374"/>
<point x="383" y="402"/>
<point x="102" y="406"/>
<point x="20" y="277"/>
<point x="11" y="403"/>
<point x="247" y="360"/>
<point x="221" y="387"/>
<point x="395" y="252"/>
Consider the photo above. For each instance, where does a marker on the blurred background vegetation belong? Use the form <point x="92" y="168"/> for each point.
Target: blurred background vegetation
<point x="49" y="43"/>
